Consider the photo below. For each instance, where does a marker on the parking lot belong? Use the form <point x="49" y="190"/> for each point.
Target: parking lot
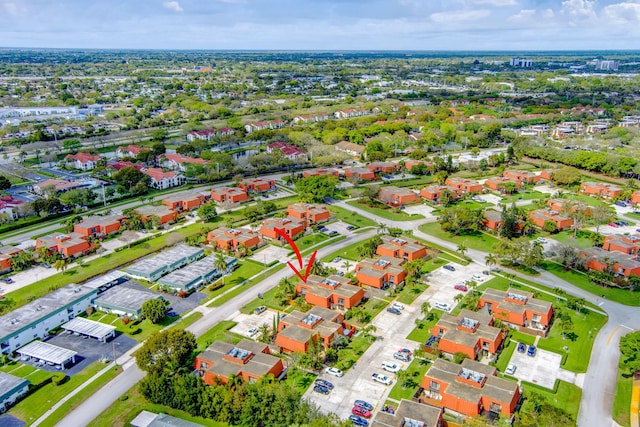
<point x="542" y="369"/>
<point x="248" y="321"/>
<point x="340" y="227"/>
<point x="179" y="305"/>
<point x="270" y="253"/>
<point x="89" y="350"/>
<point x="357" y="382"/>
<point x="424" y="210"/>
<point x="441" y="282"/>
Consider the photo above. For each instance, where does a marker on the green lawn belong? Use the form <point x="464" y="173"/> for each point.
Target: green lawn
<point x="299" y="379"/>
<point x="417" y="183"/>
<point x="622" y="400"/>
<point x="421" y="332"/>
<point x="248" y="268"/>
<point x="138" y="330"/>
<point x="268" y="299"/>
<point x="348" y="252"/>
<point x="472" y="204"/>
<point x="244" y="286"/>
<point x="408" y="294"/>
<point x="386" y="213"/>
<point x="475" y="240"/>
<point x="348" y="356"/>
<point x="76" y="400"/>
<point x="524" y="195"/>
<point x="566" y="237"/>
<point x="503" y="360"/>
<point x="350" y="217"/>
<point x="417" y="368"/>
<point x="220" y="332"/>
<point x="581" y="280"/>
<point x="566" y="397"/>
<point x="37" y="403"/>
<point x="591" y="201"/>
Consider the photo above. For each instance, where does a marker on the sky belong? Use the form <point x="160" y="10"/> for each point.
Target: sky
<point x="431" y="25"/>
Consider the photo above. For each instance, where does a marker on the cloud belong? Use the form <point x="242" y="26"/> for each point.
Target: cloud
<point x="459" y="15"/>
<point x="578" y="10"/>
<point x="173" y="6"/>
<point x="497" y="2"/>
<point x="9" y="8"/>
<point x="622" y="13"/>
<point x="532" y="16"/>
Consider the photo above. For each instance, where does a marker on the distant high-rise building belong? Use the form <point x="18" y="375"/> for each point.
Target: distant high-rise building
<point x="520" y="62"/>
<point x="604" y="64"/>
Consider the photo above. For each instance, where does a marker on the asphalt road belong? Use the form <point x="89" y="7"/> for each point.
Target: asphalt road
<point x="600" y="379"/>
<point x="103" y="398"/>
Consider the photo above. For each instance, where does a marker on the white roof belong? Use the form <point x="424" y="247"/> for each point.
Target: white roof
<point x="89" y="327"/>
<point x="47" y="352"/>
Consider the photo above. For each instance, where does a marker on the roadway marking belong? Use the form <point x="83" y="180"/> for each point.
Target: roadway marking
<point x="600" y="305"/>
<point x="612" y="334"/>
<point x="625" y="326"/>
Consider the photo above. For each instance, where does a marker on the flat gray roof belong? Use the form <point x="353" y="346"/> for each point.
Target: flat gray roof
<point x="34" y="311"/>
<point x="126" y="298"/>
<point x="150" y="265"/>
<point x="47" y="352"/>
<point x="196" y="270"/>
<point x="9" y="382"/>
<point x="89" y="327"/>
<point x="150" y="419"/>
<point x="105" y="279"/>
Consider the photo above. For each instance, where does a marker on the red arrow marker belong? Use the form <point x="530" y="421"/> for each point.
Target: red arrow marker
<point x="297" y="251"/>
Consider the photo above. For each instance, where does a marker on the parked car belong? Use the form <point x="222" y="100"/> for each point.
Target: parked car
<point x="394" y="310"/>
<point x="361" y="412"/>
<point x="7" y="280"/>
<point x="621" y="203"/>
<point x="260" y="310"/>
<point x="622" y="223"/>
<point x="405" y="351"/>
<point x="337" y="259"/>
<point x="511" y="369"/>
<point x="442" y="306"/>
<point x="390" y="367"/>
<point x="461" y="287"/>
<point x="522" y="347"/>
<point x="613" y="224"/>
<point x="324" y="383"/>
<point x="449" y="267"/>
<point x="45" y="265"/>
<point x="477" y="278"/>
<point x="383" y="379"/>
<point x="531" y="351"/>
<point x="397" y="305"/>
<point x="402" y="356"/>
<point x="351" y="227"/>
<point x="358" y="421"/>
<point x="172" y="313"/>
<point x="321" y="389"/>
<point x="541" y="240"/>
<point x="334" y="371"/>
<point x="251" y="332"/>
<point x="364" y="404"/>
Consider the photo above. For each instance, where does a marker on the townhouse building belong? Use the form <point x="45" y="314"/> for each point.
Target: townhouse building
<point x="312" y="214"/>
<point x="297" y="329"/>
<point x="540" y="216"/>
<point x="464" y="186"/>
<point x="258" y="185"/>
<point x="382" y="273"/>
<point x="333" y="292"/>
<point x="229" y="195"/>
<point x="99" y="226"/>
<point x="608" y="191"/>
<point x="396" y="247"/>
<point x="68" y="245"/>
<point x="518" y="309"/>
<point x="293" y="227"/>
<point x="82" y="161"/>
<point x="396" y="197"/>
<point x="231" y="239"/>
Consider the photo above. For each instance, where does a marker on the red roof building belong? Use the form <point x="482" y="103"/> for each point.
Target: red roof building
<point x="525" y="177"/>
<point x="381" y="273"/>
<point x="310" y="213"/>
<point x="165" y="214"/>
<point x="608" y="191"/>
<point x="184" y="202"/>
<point x="229" y="195"/>
<point x="396" y="197"/>
<point x="297" y="329"/>
<point x="68" y="245"/>
<point x="383" y="167"/>
<point x="395" y="247"/>
<point x="99" y="226"/>
<point x="362" y="174"/>
<point x="82" y="161"/>
<point x="293" y="227"/>
<point x="230" y="239"/>
<point x="464" y="186"/>
<point x="517" y="308"/>
<point x="162" y="180"/>
<point x="497" y="183"/>
<point x="540" y="216"/>
<point x="250" y="360"/>
<point x="258" y="185"/>
<point x="289" y="151"/>
<point x="320" y="172"/>
<point x="6" y="252"/>
<point x="180" y="162"/>
<point x="330" y="292"/>
<point x="130" y="151"/>
<point x="434" y="192"/>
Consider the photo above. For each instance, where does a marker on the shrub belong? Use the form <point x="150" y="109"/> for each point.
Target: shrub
<point x="90" y="310"/>
<point x="126" y="320"/>
<point x="58" y="379"/>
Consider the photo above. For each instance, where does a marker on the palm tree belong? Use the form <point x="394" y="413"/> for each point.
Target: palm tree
<point x="264" y="336"/>
<point x="317" y="268"/>
<point x="425" y="308"/>
<point x="490" y="260"/>
<point x="220" y="264"/>
<point x="366" y="331"/>
<point x="462" y="249"/>
<point x="346" y="265"/>
<point x="61" y="264"/>
<point x="382" y="228"/>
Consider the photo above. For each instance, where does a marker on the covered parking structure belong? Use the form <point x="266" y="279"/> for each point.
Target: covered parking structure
<point x="47" y="353"/>
<point x="106" y="281"/>
<point x="90" y="328"/>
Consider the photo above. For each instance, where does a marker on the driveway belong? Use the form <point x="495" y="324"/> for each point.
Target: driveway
<point x="441" y="282"/>
<point x="270" y="253"/>
<point x="248" y="321"/>
<point x="424" y="210"/>
<point x="542" y="369"/>
<point x="340" y="227"/>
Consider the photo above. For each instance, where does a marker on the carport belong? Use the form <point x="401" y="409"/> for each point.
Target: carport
<point x="47" y="353"/>
<point x="90" y="328"/>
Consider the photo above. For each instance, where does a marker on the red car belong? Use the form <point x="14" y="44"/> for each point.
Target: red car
<point x="360" y="411"/>
<point x="613" y="224"/>
<point x="462" y="288"/>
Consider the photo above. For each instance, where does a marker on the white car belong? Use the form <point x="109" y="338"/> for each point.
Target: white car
<point x="511" y="369"/>
<point x="477" y="278"/>
<point x="381" y="378"/>
<point x="442" y="306"/>
<point x="390" y="366"/>
<point x="334" y="371"/>
<point x="251" y="332"/>
<point x="397" y="305"/>
<point x="541" y="240"/>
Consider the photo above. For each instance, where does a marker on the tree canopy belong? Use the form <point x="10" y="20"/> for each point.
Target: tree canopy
<point x="167" y="351"/>
<point x="154" y="310"/>
<point x="314" y="189"/>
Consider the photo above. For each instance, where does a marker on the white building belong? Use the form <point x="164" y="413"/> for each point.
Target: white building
<point x="521" y="62"/>
<point x="11" y="388"/>
<point x="35" y="319"/>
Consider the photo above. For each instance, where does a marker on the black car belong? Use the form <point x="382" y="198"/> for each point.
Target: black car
<point x="321" y="389"/>
<point x="449" y="267"/>
<point x="522" y="347"/>
<point x="172" y="313"/>
<point x="7" y="280"/>
<point x="394" y="310"/>
<point x="364" y="404"/>
<point x="358" y="421"/>
<point x="324" y="383"/>
<point x="351" y="227"/>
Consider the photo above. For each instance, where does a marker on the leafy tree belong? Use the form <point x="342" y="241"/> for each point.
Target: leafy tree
<point x="154" y="310"/>
<point x="462" y="249"/>
<point x="167" y="351"/>
<point x="314" y="189"/>
<point x="71" y="145"/>
<point x="160" y="134"/>
<point x="566" y="175"/>
<point x="630" y="353"/>
<point x="440" y="177"/>
<point x="21" y="261"/>
<point x="207" y="211"/>
<point x="128" y="177"/>
<point x="550" y="226"/>
<point x="368" y="248"/>
<point x="601" y="214"/>
<point x="78" y="197"/>
<point x="568" y="256"/>
<point x="5" y="184"/>
<point x="461" y="219"/>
